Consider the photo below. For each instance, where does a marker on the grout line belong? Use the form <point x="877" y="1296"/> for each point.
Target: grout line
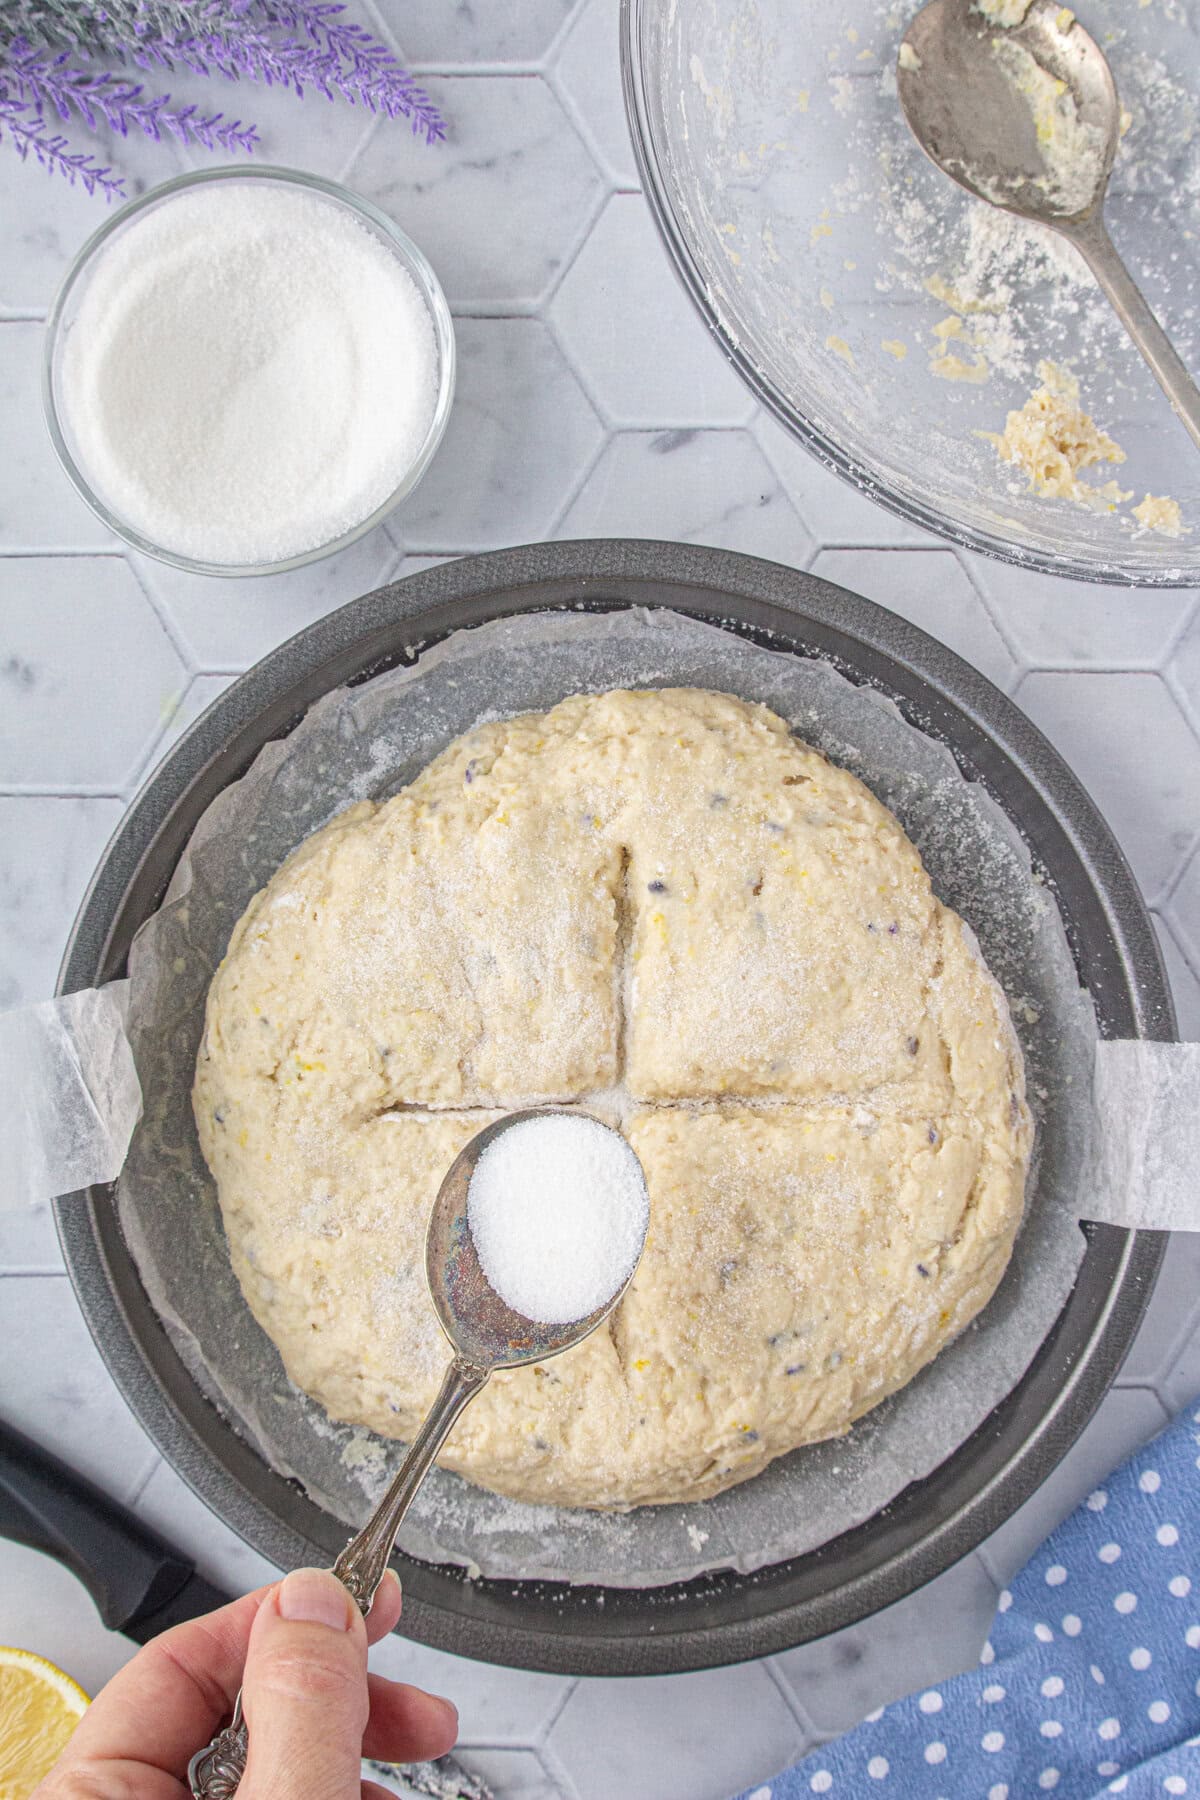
<point x="589" y="469"/>
<point x="166" y="623"/>
<point x="990" y="612"/>
<point x="1050" y="665"/>
<point x="1191" y="615"/>
<point x="40" y="790"/>
<point x="575" y="247"/>
<point x="145" y="1481"/>
<point x="983" y="1552"/>
<point x="32" y="1273"/>
<point x="111" y="549"/>
<point x="1188" y="706"/>
<point x="554" y="48"/>
<point x="1175" y="881"/>
<point x="523" y="70"/>
<point x="1164" y="922"/>
<point x="578" y="118"/>
<point x="370" y="129"/>
<point x="610" y="424"/>
<point x="554" y="1765"/>
<point x="805" y="1726"/>
<point x="557" y="1711"/>
<point x="516" y="308"/>
<point x="151" y="754"/>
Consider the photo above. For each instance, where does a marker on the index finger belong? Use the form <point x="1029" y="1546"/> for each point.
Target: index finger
<point x="166" y="1704"/>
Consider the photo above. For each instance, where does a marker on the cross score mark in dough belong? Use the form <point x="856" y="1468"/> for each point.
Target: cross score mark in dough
<point x="663" y="906"/>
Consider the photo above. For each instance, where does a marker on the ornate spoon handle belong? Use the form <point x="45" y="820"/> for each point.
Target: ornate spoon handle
<point x="215" y="1772"/>
<point x="363" y="1563"/>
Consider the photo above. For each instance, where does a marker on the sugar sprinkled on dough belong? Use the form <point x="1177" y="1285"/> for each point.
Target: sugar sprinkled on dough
<point x="663" y="908"/>
<point x="557" y="1208"/>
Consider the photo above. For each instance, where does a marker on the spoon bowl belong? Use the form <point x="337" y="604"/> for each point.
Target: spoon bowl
<point x="1026" y="116"/>
<point x="482" y="1328"/>
<point x="973" y="95"/>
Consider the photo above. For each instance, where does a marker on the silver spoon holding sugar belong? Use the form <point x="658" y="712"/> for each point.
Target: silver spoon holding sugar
<point x="1025" y="115"/>
<point x="546" y="1209"/>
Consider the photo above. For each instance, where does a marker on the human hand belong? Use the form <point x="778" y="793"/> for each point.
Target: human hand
<point x="298" y="1650"/>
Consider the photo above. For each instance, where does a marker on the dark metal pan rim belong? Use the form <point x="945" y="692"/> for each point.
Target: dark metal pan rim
<point x="725" y="1617"/>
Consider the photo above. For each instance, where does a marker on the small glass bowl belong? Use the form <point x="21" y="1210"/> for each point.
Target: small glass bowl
<point x="66" y="307"/>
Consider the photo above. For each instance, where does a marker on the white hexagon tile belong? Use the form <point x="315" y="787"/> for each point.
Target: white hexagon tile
<point x="591" y="402"/>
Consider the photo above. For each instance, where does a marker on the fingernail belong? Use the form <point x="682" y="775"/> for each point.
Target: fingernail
<point x="450" y="1710"/>
<point x="313" y="1597"/>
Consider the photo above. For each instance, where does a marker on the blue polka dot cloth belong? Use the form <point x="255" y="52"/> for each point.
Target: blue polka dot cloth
<point x="1090" y="1681"/>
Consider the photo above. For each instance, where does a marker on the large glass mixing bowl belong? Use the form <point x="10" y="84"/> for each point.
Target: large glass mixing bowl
<point x="841" y="271"/>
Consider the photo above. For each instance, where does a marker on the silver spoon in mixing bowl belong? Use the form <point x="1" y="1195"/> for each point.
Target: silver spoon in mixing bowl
<point x="485" y="1334"/>
<point x="1027" y="117"/>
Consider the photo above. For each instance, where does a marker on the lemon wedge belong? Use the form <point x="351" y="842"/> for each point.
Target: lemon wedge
<point x="39" y="1709"/>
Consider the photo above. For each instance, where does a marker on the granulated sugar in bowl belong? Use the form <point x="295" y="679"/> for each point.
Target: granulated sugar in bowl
<point x="247" y="370"/>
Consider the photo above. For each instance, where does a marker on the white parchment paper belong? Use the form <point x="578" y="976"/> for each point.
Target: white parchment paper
<point x="1145" y="1166"/>
<point x="71" y="1094"/>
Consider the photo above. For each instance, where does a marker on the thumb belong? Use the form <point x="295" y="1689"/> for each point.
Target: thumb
<point x="304" y="1692"/>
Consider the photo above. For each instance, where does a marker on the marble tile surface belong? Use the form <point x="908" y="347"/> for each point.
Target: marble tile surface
<point x="51" y="845"/>
<point x="716" y="487"/>
<point x="599" y="314"/>
<point x="39" y="509"/>
<point x="1113" y="728"/>
<point x="931" y="589"/>
<point x="520" y="439"/>
<point x="590" y="401"/>
<point x="226" y="625"/>
<point x="665" y="1710"/>
<point x="587" y="75"/>
<point x="477" y="205"/>
<point x="57" y="732"/>
<point x="474" y="36"/>
<point x="836" y="1681"/>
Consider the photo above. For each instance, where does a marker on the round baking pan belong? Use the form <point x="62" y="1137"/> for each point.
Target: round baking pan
<point x="722" y="1617"/>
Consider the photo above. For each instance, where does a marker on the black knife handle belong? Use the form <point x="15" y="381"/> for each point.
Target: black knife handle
<point x="129" y="1571"/>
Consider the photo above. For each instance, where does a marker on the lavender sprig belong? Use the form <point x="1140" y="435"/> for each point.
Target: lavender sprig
<point x="333" y="57"/>
<point x="297" y="44"/>
<point x="51" y="82"/>
<point x="26" y="131"/>
<point x="254" y="56"/>
<point x="370" y="73"/>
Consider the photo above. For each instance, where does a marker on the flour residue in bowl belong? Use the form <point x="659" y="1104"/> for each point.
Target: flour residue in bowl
<point x="816" y="221"/>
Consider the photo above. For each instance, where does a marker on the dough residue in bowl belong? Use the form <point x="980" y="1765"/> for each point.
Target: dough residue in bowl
<point x="1051" y="439"/>
<point x="663" y="906"/>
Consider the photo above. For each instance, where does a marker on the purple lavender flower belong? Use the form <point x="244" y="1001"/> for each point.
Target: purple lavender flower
<point x="370" y="71"/>
<point x="50" y="82"/>
<point x="323" y="52"/>
<point x="26" y="131"/>
<point x="296" y="44"/>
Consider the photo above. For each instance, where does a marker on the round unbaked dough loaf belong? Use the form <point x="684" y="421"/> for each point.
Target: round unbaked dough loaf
<point x="664" y="907"/>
